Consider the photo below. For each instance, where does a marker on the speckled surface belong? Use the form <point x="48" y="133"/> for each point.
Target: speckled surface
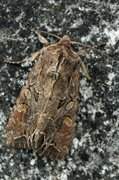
<point x="95" y="148"/>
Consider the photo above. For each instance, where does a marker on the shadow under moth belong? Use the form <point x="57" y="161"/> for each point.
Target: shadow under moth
<point x="44" y="115"/>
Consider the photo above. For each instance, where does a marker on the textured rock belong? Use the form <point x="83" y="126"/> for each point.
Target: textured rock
<point x="95" y="152"/>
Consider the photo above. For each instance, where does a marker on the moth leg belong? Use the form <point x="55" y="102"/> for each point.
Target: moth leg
<point x="94" y="48"/>
<point x="85" y="70"/>
<point x="33" y="56"/>
<point x="87" y="74"/>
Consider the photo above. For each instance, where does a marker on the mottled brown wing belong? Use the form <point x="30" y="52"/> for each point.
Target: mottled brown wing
<point x="61" y="143"/>
<point x="44" y="115"/>
<point x="27" y="114"/>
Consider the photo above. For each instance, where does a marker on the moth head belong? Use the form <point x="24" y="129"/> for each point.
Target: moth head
<point x="65" y="40"/>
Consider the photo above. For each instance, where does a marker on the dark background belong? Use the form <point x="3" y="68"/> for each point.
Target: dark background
<point x="95" y="148"/>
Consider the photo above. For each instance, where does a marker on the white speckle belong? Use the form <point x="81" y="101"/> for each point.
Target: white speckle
<point x="109" y="65"/>
<point x="51" y="177"/>
<point x="86" y="92"/>
<point x="110" y="77"/>
<point x="0" y="168"/>
<point x="2" y="118"/>
<point x="104" y="168"/>
<point x="32" y="162"/>
<point x="76" y="143"/>
<point x="76" y="23"/>
<point x="12" y="163"/>
<point x="51" y="1"/>
<point x="116" y="113"/>
<point x="106" y="123"/>
<point x="93" y="109"/>
<point x="18" y="18"/>
<point x="6" y="177"/>
<point x="112" y="35"/>
<point x="64" y="176"/>
<point x="2" y="94"/>
<point x="84" y="139"/>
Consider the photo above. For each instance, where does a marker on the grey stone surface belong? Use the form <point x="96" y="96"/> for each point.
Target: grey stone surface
<point x="95" y="148"/>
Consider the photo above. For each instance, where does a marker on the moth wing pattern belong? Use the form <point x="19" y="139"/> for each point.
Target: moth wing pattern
<point x="63" y="138"/>
<point x="45" y="113"/>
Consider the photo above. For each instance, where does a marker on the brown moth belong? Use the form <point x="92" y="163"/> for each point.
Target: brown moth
<point x="44" y="115"/>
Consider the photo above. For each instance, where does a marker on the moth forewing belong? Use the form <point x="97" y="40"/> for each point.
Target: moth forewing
<point x="45" y="112"/>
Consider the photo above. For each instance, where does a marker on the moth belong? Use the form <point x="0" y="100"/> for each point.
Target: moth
<point x="44" y="115"/>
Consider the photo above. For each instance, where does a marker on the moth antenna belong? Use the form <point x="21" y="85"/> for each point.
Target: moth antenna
<point x="76" y="42"/>
<point x="92" y="48"/>
<point x="85" y="69"/>
<point x="88" y="76"/>
<point x="49" y="33"/>
<point x="52" y="34"/>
